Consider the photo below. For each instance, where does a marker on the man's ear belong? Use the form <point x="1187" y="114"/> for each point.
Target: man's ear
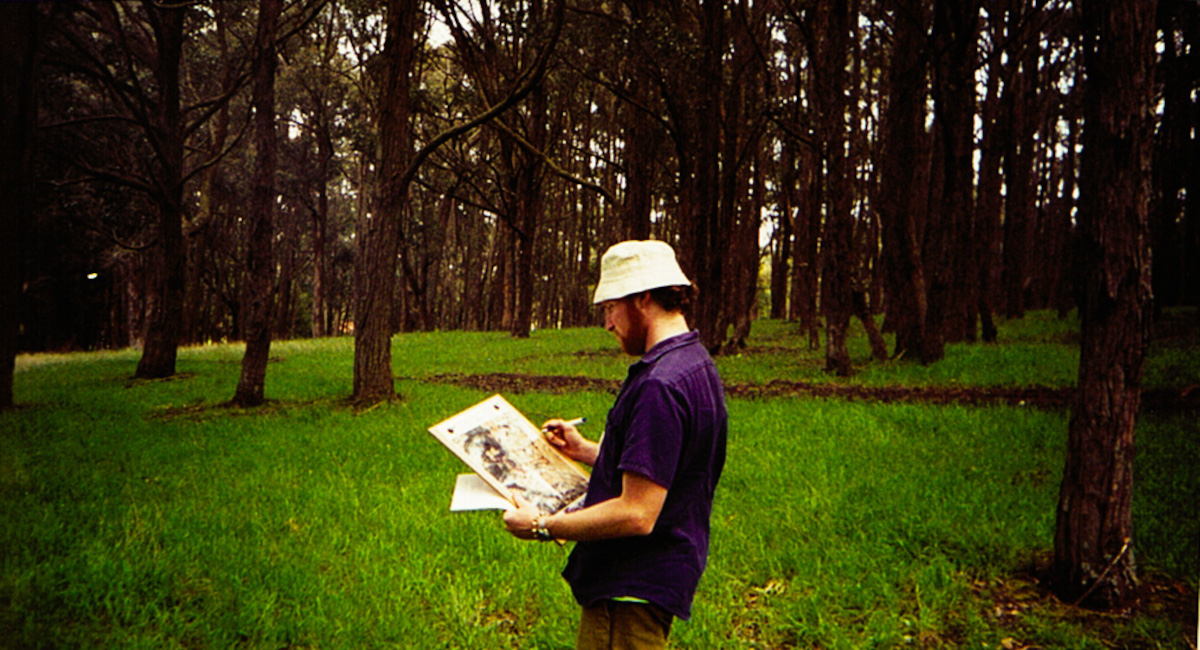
<point x="642" y="301"/>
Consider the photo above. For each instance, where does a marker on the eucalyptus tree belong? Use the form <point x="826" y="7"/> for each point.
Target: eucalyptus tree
<point x="903" y="163"/>
<point x="399" y="166"/>
<point x="130" y="56"/>
<point x="321" y="102"/>
<point x="1093" y="544"/>
<point x="950" y="227"/>
<point x="128" y="66"/>
<point x="258" y="294"/>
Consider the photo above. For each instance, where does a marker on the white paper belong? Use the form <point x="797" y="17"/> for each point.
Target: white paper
<point x="473" y="493"/>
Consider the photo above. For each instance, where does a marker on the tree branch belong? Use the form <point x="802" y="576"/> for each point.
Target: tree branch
<point x="531" y="78"/>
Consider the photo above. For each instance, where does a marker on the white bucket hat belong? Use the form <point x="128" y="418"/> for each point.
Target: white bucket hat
<point x="635" y="266"/>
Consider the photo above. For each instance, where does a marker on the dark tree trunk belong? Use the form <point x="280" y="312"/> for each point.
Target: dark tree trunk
<point x="954" y="33"/>
<point x="320" y="232"/>
<point x="862" y="311"/>
<point x="1020" y="197"/>
<point x="165" y="320"/>
<point x="903" y="201"/>
<point x="18" y="122"/>
<point x="831" y="31"/>
<point x="708" y="255"/>
<point x="529" y="212"/>
<point x="376" y="269"/>
<point x="640" y="147"/>
<point x="1093" y="558"/>
<point x="989" y="201"/>
<point x="258" y="297"/>
<point x="781" y="261"/>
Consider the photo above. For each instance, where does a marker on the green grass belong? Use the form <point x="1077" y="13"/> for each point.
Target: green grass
<point x="145" y="514"/>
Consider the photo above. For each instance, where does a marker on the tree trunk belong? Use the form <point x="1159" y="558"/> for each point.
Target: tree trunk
<point x="988" y="202"/>
<point x="529" y="212"/>
<point x="831" y="32"/>
<point x="806" y="233"/>
<point x="1093" y="557"/>
<point x="320" y="228"/>
<point x="165" y="321"/>
<point x="376" y="269"/>
<point x="708" y="255"/>
<point x="781" y="257"/>
<point x="1020" y="196"/>
<point x="955" y="34"/>
<point x="258" y="297"/>
<point x="902" y="204"/>
<point x="18" y="123"/>
<point x="641" y="142"/>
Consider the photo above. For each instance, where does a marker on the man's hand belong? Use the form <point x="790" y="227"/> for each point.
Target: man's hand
<point x="568" y="440"/>
<point x="519" y="520"/>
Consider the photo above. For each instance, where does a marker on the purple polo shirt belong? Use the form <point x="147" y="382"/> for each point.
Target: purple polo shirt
<point x="669" y="425"/>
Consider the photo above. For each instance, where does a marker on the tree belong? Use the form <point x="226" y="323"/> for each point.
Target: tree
<point x="950" y="231"/>
<point x="1093" y="555"/>
<point x="902" y="204"/>
<point x="829" y="47"/>
<point x="164" y="126"/>
<point x="259" y="292"/>
<point x="376" y="267"/>
<point x="18" y="84"/>
<point x="376" y="270"/>
<point x="128" y="57"/>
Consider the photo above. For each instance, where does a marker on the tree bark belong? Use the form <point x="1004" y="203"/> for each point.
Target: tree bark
<point x="18" y="125"/>
<point x="988" y="204"/>
<point x="165" y="320"/>
<point x="530" y="206"/>
<point x="258" y="297"/>
<point x="380" y="242"/>
<point x="902" y="204"/>
<point x="1019" y="182"/>
<point x="707" y="255"/>
<point x="320" y="233"/>
<point x="1093" y="557"/>
<point x="831" y="31"/>
<point x="955" y="34"/>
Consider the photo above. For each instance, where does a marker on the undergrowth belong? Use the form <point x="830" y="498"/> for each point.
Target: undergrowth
<point x="148" y="514"/>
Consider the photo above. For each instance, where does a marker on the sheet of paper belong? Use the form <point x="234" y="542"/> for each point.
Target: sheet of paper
<point x="473" y="493"/>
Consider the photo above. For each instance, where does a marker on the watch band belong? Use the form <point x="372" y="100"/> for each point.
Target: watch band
<point x="539" y="529"/>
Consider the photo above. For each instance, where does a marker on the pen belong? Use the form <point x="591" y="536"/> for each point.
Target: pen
<point x="576" y="422"/>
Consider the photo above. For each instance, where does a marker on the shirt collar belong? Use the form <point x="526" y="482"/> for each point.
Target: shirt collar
<point x="666" y="345"/>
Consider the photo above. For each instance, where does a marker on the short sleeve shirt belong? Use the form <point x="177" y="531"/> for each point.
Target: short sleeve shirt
<point x="669" y="424"/>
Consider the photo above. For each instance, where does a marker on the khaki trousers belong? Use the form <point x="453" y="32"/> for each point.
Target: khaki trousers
<point x="614" y="625"/>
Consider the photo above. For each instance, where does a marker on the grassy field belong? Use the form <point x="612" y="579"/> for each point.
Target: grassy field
<point x="146" y="514"/>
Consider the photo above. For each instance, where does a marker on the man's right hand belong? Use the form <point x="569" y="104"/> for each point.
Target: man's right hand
<point x="568" y="440"/>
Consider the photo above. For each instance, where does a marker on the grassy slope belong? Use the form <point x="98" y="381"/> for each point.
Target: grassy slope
<point x="138" y="514"/>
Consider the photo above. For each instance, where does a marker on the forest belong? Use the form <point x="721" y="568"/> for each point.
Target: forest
<point x="817" y="162"/>
<point x="177" y="172"/>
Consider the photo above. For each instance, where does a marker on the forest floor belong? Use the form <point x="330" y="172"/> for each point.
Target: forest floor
<point x="1039" y="397"/>
<point x="1178" y="330"/>
<point x="1010" y="600"/>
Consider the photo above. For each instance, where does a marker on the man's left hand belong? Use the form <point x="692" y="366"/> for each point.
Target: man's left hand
<point x="519" y="520"/>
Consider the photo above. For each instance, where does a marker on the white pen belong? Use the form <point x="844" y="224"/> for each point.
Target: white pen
<point x="576" y="422"/>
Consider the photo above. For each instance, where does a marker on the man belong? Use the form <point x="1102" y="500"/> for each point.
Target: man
<point x="643" y="529"/>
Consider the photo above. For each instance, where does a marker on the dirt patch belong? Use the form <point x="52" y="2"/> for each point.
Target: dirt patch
<point x="507" y="382"/>
<point x="1009" y="600"/>
<point x="1035" y="397"/>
